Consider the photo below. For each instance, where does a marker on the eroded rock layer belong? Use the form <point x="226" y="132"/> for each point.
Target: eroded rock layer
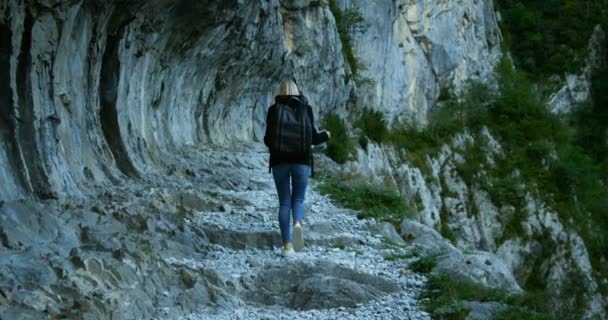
<point x="98" y="91"/>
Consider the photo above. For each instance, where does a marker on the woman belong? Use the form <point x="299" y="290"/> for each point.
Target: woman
<point x="290" y="132"/>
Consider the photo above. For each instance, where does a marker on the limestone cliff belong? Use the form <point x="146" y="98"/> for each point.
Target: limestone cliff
<point x="103" y="102"/>
<point x="411" y="50"/>
<point x="98" y="91"/>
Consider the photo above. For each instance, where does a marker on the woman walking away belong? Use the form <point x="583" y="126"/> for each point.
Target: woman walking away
<point x="290" y="132"/>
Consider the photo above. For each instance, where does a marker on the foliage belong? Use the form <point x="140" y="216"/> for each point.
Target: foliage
<point x="372" y="201"/>
<point x="468" y="112"/>
<point x="538" y="145"/>
<point x="445" y="230"/>
<point x="517" y="115"/>
<point x="549" y="36"/>
<point x="563" y="160"/>
<point x="443" y="292"/>
<point x="424" y="265"/>
<point x="542" y="155"/>
<point x="591" y="120"/>
<point x="459" y="313"/>
<point x="363" y="142"/>
<point x="372" y="124"/>
<point x="514" y="313"/>
<point x="340" y="147"/>
<point x="348" y="21"/>
<point x="412" y="139"/>
<point x="395" y="257"/>
<point x="549" y="158"/>
<point x="446" y="93"/>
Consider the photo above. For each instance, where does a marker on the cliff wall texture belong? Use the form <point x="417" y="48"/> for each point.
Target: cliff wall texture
<point x="103" y="102"/>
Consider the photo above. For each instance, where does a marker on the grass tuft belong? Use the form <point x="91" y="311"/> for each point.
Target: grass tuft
<point x="372" y="201"/>
<point x="373" y="125"/>
<point x="442" y="292"/>
<point x="424" y="265"/>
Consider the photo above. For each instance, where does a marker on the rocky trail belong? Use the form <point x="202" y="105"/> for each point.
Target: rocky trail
<point x="199" y="241"/>
<point x="341" y="274"/>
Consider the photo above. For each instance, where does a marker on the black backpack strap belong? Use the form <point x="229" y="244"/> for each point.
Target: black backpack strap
<point x="306" y="112"/>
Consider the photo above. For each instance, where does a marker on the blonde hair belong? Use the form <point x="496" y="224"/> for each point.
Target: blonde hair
<point x="287" y="88"/>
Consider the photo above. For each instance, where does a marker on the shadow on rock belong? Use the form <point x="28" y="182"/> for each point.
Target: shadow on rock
<point x="320" y="285"/>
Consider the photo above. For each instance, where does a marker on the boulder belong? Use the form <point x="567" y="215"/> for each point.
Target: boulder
<point x="480" y="267"/>
<point x="425" y="238"/>
<point x="388" y="231"/>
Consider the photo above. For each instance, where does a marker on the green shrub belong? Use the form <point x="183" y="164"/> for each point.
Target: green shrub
<point x="539" y="150"/>
<point x="444" y="229"/>
<point x="446" y="93"/>
<point x="513" y="226"/>
<point x="591" y="119"/>
<point x="340" y="147"/>
<point x="549" y="36"/>
<point x="373" y="125"/>
<point x="412" y="139"/>
<point x="513" y="313"/>
<point x="395" y="257"/>
<point x="424" y="265"/>
<point x="363" y="142"/>
<point x="372" y="201"/>
<point x="458" y="313"/>
<point x="473" y="107"/>
<point x="443" y="292"/>
<point x="505" y="187"/>
<point x="474" y="155"/>
<point x="471" y="112"/>
<point x="570" y="182"/>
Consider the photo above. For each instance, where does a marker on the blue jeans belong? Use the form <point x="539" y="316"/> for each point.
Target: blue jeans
<point x="291" y="180"/>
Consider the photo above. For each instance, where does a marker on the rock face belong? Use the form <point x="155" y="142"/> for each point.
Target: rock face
<point x="465" y="213"/>
<point x="105" y="212"/>
<point x="99" y="91"/>
<point x="481" y="267"/>
<point x="317" y="286"/>
<point x="413" y="49"/>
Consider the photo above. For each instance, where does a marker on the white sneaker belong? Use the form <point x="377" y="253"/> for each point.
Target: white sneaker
<point x="289" y="253"/>
<point x="298" y="237"/>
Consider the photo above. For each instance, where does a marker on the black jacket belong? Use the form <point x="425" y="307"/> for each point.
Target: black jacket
<point x="317" y="137"/>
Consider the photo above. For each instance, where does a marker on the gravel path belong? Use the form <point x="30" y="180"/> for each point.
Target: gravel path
<point x="342" y="273"/>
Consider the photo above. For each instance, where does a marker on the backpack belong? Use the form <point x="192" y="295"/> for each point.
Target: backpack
<point x="292" y="129"/>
